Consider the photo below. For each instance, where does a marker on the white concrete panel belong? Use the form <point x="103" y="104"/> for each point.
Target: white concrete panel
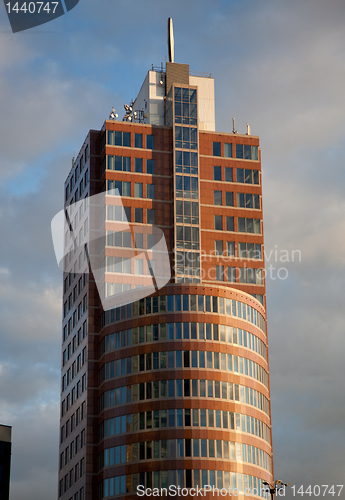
<point x="206" y="104"/>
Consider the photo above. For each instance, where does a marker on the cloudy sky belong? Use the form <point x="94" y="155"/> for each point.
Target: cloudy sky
<point x="279" y="65"/>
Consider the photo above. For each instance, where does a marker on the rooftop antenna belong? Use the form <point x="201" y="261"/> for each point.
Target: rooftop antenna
<point x="113" y="115"/>
<point x="162" y="73"/>
<point x="234" y="131"/>
<point x="248" y="129"/>
<point x="171" y="40"/>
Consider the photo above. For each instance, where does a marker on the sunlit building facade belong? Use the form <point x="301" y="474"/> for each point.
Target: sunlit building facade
<point x="171" y="389"/>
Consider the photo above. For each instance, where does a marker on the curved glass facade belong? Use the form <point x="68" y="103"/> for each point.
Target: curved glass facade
<point x="185" y="363"/>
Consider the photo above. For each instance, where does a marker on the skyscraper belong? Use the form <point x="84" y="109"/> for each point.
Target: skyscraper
<point x="5" y="461"/>
<point x="173" y="388"/>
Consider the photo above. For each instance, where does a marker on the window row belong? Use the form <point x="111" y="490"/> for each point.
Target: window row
<point x="117" y="138"/>
<point x="183" y="359"/>
<point x="238" y="275"/>
<point x="71" y="277"/>
<point x="125" y="239"/>
<point x="72" y="422"/>
<point x="248" y="200"/>
<point x="244" y="200"/>
<point x="160" y="419"/>
<point x="72" y="477"/>
<point x="185" y="95"/>
<point x="78" y="311"/>
<point x="244" y="250"/>
<point x="67" y="329"/>
<point x="120" y="214"/>
<point x="76" y="240"/>
<point x="64" y="485"/>
<point x="187" y="237"/>
<point x="123" y="265"/>
<point x="186" y="137"/>
<point x="228" y="198"/>
<point x="116" y="213"/>
<point x="186" y="162"/>
<point x="185" y="331"/>
<point x="123" y="164"/>
<point x="161" y="480"/>
<point x="84" y="181"/>
<point x="77" y="340"/>
<point x="244" y="225"/>
<point x="77" y="289"/>
<point x="74" y="447"/>
<point x="184" y="448"/>
<point x="242" y="151"/>
<point x="72" y="396"/>
<point x="73" y="230"/>
<point x="243" y="175"/>
<point x="187" y="212"/>
<point x="184" y="303"/>
<point x="74" y="369"/>
<point x="186" y="110"/>
<point x="125" y="189"/>
<point x="187" y="183"/>
<point x="75" y="176"/>
<point x="203" y="388"/>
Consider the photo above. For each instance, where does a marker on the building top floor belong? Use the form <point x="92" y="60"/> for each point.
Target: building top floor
<point x="5" y="433"/>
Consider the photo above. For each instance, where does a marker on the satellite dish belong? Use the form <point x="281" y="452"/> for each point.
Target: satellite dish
<point x="171" y="40"/>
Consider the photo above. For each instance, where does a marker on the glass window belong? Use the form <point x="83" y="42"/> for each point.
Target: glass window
<point x="138" y="215"/>
<point x="126" y="164"/>
<point x="150" y="216"/>
<point x="203" y="443"/>
<point x="228" y="174"/>
<point x="216" y="149"/>
<point x="229" y="199"/>
<point x="217" y="195"/>
<point x="240" y="200"/>
<point x="126" y="139"/>
<point x="138" y="165"/>
<point x="219" y="247"/>
<point x="228" y="150"/>
<point x="218" y="222"/>
<point x="110" y="137"/>
<point x="257" y="228"/>
<point x="247" y="152"/>
<point x="126" y="191"/>
<point x="150" y="166"/>
<point x="240" y="175"/>
<point x="217" y="174"/>
<point x="138" y="190"/>
<point x="139" y="266"/>
<point x="248" y="176"/>
<point x="239" y="151"/>
<point x="138" y="140"/>
<point x="139" y="240"/>
<point x="150" y="191"/>
<point x="230" y="248"/>
<point x="220" y="273"/>
<point x="150" y="141"/>
<point x="241" y="225"/>
<point x="230" y="224"/>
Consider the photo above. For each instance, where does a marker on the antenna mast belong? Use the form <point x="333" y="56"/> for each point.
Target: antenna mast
<point x="171" y="40"/>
